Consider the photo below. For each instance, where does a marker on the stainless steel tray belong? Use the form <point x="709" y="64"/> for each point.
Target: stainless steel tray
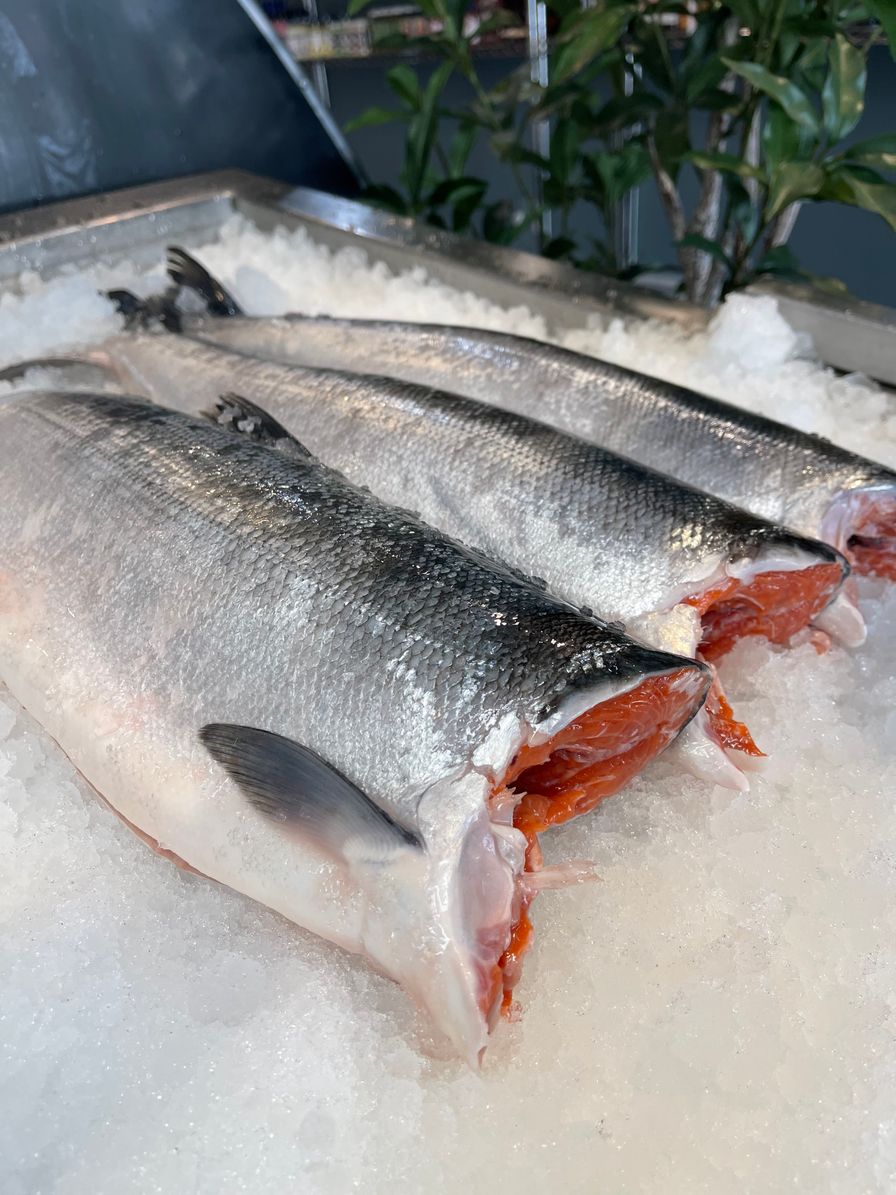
<point x="137" y="222"/>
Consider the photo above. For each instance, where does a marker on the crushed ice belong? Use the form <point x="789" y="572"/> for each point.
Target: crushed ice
<point x="715" y="1016"/>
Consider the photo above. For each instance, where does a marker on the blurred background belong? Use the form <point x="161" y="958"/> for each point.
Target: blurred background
<point x="691" y="146"/>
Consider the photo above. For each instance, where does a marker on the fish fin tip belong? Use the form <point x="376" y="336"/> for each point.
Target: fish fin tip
<point x="125" y="302"/>
<point x="244" y="417"/>
<point x="292" y="786"/>
<point x="159" y="311"/>
<point x="184" y="270"/>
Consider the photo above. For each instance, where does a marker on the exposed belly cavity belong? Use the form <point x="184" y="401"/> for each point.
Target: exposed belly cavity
<point x="775" y="605"/>
<point x="871" y="546"/>
<point x="589" y="759"/>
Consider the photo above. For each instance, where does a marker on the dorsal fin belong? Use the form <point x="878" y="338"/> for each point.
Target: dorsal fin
<point x="157" y="310"/>
<point x="186" y="271"/>
<point x="246" y="418"/>
<point x="291" y="785"/>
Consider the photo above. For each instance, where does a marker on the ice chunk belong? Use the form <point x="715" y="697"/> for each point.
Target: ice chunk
<point x="714" y="1016"/>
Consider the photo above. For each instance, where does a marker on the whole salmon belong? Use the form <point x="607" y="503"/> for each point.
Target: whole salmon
<point x="681" y="569"/>
<point x="781" y="474"/>
<point x="308" y="695"/>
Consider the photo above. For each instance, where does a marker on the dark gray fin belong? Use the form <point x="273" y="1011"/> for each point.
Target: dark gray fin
<point x="294" y="787"/>
<point x="127" y="305"/>
<point x="157" y="310"/>
<point x="186" y="271"/>
<point x="246" y="418"/>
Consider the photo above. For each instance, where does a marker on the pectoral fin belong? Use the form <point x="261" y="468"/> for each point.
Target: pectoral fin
<point x="291" y="785"/>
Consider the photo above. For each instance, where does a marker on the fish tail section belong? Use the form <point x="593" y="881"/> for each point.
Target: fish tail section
<point x="157" y="311"/>
<point x="185" y="271"/>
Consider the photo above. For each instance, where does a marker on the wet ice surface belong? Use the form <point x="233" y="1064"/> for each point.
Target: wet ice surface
<point x="716" y="1015"/>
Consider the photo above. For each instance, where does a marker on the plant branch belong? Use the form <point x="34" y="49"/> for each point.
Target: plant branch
<point x="718" y="271"/>
<point x="778" y="232"/>
<point x="674" y="209"/>
<point x="707" y="218"/>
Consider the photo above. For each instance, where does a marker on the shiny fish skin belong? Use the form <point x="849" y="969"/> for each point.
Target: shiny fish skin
<point x="603" y="532"/>
<point x="775" y="471"/>
<point x="158" y="574"/>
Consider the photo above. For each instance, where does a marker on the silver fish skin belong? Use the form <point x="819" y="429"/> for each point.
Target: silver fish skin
<point x="159" y="574"/>
<point x="775" y="471"/>
<point x="602" y="531"/>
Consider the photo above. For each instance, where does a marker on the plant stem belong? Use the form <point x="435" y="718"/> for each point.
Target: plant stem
<point x="674" y="207"/>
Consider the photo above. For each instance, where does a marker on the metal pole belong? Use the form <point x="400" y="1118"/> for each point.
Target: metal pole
<point x="625" y="234"/>
<point x="318" y="69"/>
<point x="537" y="29"/>
<point x="300" y="77"/>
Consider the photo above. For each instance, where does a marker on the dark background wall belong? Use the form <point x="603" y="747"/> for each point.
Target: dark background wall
<point x="829" y="239"/>
<point x="96" y="95"/>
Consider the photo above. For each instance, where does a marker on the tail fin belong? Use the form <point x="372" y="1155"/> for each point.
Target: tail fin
<point x="184" y="270"/>
<point x="148" y="313"/>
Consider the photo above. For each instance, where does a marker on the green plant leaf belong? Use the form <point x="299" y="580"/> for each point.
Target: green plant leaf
<point x="406" y="86"/>
<point x="794" y="101"/>
<point x="781" y="138"/>
<point x="558" y="247"/>
<point x="612" y="173"/>
<point x="884" y="11"/>
<point x="500" y="223"/>
<point x="355" y="6"/>
<point x="861" y="187"/>
<point x="781" y="261"/>
<point x="422" y="130"/>
<point x="590" y="33"/>
<point x="843" y="94"/>
<point x="450" y="190"/>
<point x="879" y="152"/>
<point x="716" y="100"/>
<point x="653" y="55"/>
<point x="693" y="240"/>
<point x="378" y="195"/>
<point x="707" y="77"/>
<point x="698" y="54"/>
<point x="373" y="116"/>
<point x="507" y="147"/>
<point x="743" y="213"/>
<point x="670" y="133"/>
<point x="466" y="205"/>
<point x="622" y="111"/>
<point x="729" y="162"/>
<point x="747" y="12"/>
<point x="792" y="181"/>
<point x="565" y="146"/>
<point x="460" y="147"/>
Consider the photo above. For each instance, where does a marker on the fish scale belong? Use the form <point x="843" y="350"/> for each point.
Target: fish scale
<point x="776" y="471"/>
<point x="604" y="532"/>
<point x="160" y="571"/>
